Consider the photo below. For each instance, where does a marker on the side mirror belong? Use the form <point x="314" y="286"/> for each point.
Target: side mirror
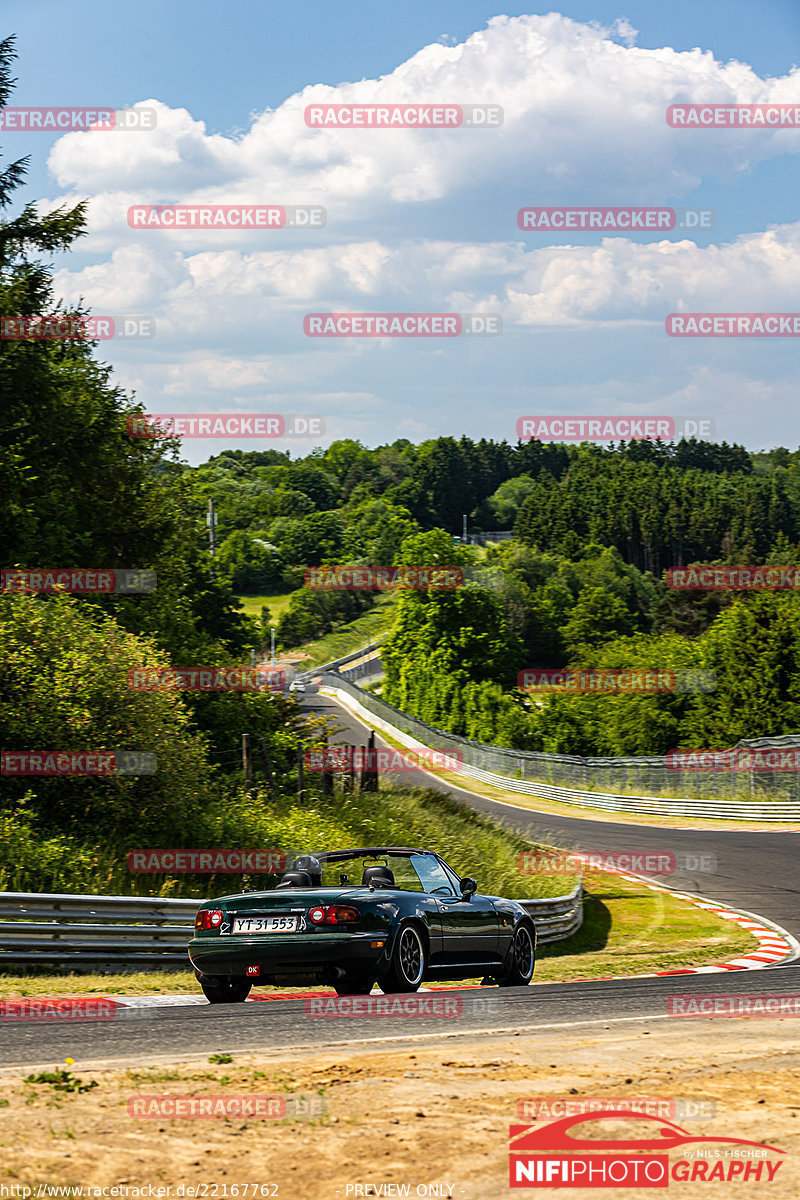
<point x="468" y="887"/>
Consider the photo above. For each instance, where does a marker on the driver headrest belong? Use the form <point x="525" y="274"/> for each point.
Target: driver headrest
<point x="309" y="864"/>
<point x="378" y="875"/>
<point x="295" y="879"/>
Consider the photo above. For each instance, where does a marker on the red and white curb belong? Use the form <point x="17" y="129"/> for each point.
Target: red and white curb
<point x="775" y="944"/>
<point x="178" y="1001"/>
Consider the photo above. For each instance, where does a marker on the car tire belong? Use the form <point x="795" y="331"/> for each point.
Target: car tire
<point x="519" y="972"/>
<point x="409" y="960"/>
<point x="354" y="985"/>
<point x="218" y="989"/>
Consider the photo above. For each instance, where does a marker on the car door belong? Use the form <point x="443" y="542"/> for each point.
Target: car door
<point x="470" y="927"/>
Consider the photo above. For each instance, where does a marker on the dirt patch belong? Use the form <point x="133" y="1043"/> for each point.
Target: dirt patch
<point x="418" y="1118"/>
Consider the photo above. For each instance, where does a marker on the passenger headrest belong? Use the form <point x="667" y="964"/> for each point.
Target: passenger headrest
<point x="377" y="876"/>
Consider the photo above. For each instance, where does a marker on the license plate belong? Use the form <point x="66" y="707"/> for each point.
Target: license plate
<point x="265" y="925"/>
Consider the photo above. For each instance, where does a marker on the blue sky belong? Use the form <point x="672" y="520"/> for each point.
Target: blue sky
<point x="422" y="221"/>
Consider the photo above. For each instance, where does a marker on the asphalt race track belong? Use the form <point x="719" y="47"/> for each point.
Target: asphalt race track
<point x="755" y="871"/>
<point x="171" y="1033"/>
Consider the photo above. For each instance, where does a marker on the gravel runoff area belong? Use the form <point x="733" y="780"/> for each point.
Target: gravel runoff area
<point x="430" y="1118"/>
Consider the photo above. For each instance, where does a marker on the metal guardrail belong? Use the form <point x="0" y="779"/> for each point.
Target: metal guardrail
<point x="476" y="756"/>
<point x="110" y="932"/>
<point x="557" y="917"/>
<point x="719" y="810"/>
<point x="337" y="663"/>
<point x="117" y="933"/>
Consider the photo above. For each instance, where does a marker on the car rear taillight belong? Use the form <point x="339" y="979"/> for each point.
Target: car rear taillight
<point x="208" y="918"/>
<point x="334" y="914"/>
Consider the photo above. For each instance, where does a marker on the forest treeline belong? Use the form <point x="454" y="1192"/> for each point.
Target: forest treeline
<point x="581" y="582"/>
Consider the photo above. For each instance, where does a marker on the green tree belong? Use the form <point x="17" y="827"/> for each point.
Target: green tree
<point x="251" y="564"/>
<point x="596" y="617"/>
<point x="66" y="682"/>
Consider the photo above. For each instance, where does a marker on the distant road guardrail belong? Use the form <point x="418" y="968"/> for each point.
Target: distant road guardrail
<point x="120" y="933"/>
<point x="337" y="663"/>
<point x="477" y="759"/>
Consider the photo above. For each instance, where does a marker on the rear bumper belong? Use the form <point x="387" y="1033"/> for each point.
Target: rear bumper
<point x="319" y="954"/>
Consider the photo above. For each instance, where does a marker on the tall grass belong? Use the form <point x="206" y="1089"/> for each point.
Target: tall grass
<point x="30" y="860"/>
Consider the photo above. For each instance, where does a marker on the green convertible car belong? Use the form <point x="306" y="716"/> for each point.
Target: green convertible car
<point x="349" y="918"/>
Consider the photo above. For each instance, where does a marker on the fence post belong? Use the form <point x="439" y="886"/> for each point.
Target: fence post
<point x="301" y="779"/>
<point x="369" y="773"/>
<point x="262" y="746"/>
<point x="247" y="760"/>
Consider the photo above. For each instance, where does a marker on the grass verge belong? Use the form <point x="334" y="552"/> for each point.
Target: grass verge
<point x="276" y="603"/>
<point x="353" y="636"/>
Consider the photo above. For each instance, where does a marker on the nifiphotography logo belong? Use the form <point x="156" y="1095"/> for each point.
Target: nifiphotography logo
<point x="554" y="1156"/>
